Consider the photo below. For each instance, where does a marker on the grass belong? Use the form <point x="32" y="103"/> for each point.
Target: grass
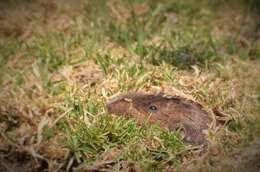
<point x="63" y="60"/>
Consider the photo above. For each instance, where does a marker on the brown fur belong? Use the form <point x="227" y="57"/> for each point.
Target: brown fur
<point x="172" y="112"/>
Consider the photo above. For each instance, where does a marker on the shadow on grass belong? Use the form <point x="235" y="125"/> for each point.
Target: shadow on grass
<point x="183" y="57"/>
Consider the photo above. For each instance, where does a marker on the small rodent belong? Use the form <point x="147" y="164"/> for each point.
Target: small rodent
<point x="173" y="112"/>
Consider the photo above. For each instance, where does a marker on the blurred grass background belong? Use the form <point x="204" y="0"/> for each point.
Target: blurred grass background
<point x="60" y="61"/>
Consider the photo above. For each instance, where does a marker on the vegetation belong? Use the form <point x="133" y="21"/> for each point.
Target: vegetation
<point x="61" y="61"/>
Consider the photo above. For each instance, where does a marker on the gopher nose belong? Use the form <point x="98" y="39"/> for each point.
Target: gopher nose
<point x="108" y="106"/>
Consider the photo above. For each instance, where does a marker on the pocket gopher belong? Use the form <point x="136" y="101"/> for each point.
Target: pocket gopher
<point x="172" y="112"/>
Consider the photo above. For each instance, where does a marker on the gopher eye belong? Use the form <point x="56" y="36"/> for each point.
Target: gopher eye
<point x="152" y="108"/>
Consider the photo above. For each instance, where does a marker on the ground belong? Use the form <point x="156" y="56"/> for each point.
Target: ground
<point x="61" y="61"/>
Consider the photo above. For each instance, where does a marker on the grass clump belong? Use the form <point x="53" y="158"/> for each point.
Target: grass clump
<point x="149" y="145"/>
